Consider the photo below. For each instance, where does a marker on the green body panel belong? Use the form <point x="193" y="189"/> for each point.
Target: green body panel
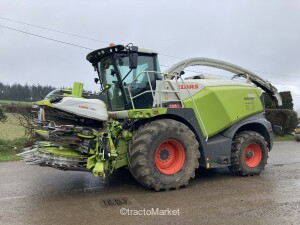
<point x="64" y="152"/>
<point x="44" y="103"/>
<point x="118" y="152"/>
<point x="77" y="89"/>
<point x="42" y="133"/>
<point x="121" y="159"/>
<point x="146" y="113"/>
<point x="222" y="106"/>
<point x="116" y="160"/>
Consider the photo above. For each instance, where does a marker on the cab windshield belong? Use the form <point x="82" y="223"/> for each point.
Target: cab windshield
<point x="115" y="72"/>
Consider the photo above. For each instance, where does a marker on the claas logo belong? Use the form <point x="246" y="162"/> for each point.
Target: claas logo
<point x="174" y="105"/>
<point x="188" y="86"/>
<point x="83" y="107"/>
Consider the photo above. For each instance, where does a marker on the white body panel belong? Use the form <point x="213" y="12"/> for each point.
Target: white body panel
<point x="89" y="108"/>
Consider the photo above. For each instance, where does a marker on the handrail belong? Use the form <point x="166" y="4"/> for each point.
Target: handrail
<point x="165" y="79"/>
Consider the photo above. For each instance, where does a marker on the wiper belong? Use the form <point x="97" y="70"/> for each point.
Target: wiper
<point x="126" y="75"/>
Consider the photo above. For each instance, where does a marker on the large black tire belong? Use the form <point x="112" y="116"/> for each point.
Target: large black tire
<point x="147" y="141"/>
<point x="249" y="154"/>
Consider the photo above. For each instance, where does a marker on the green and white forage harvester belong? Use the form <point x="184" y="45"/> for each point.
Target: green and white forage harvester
<point x="160" y="125"/>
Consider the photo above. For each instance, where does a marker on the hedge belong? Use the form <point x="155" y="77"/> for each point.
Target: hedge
<point x="285" y="118"/>
<point x="287" y="101"/>
<point x="17" y="108"/>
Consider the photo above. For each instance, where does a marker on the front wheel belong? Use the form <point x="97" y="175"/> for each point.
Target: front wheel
<point x="249" y="154"/>
<point x="163" y="154"/>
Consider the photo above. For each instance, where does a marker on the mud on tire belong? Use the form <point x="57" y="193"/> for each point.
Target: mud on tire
<point x="249" y="154"/>
<point x="148" y="142"/>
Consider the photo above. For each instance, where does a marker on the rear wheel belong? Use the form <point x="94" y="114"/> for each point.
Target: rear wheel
<point x="249" y="154"/>
<point x="163" y="154"/>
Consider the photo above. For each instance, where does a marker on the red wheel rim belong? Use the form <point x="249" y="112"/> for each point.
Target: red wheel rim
<point x="252" y="155"/>
<point x="169" y="156"/>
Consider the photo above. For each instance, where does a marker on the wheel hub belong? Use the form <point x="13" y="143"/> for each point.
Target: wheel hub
<point x="249" y="154"/>
<point x="169" y="156"/>
<point x="252" y="155"/>
<point x="164" y="154"/>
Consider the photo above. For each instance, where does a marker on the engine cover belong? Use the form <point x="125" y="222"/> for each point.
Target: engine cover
<point x="89" y="108"/>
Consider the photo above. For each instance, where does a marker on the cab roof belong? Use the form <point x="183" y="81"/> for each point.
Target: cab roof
<point x="95" y="56"/>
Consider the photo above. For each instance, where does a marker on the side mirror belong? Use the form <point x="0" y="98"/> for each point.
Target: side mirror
<point x="96" y="80"/>
<point x="133" y="57"/>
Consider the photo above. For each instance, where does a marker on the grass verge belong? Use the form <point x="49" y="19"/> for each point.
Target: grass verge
<point x="9" y="148"/>
<point x="287" y="137"/>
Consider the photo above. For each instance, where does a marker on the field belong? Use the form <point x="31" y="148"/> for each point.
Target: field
<point x="11" y="129"/>
<point x="12" y="139"/>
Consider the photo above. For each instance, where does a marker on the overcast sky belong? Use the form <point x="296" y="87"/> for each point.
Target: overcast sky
<point x="262" y="36"/>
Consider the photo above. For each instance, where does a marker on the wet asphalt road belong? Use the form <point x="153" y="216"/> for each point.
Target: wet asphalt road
<point x="40" y="195"/>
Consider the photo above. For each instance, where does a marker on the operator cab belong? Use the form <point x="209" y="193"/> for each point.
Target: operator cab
<point x="124" y="72"/>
